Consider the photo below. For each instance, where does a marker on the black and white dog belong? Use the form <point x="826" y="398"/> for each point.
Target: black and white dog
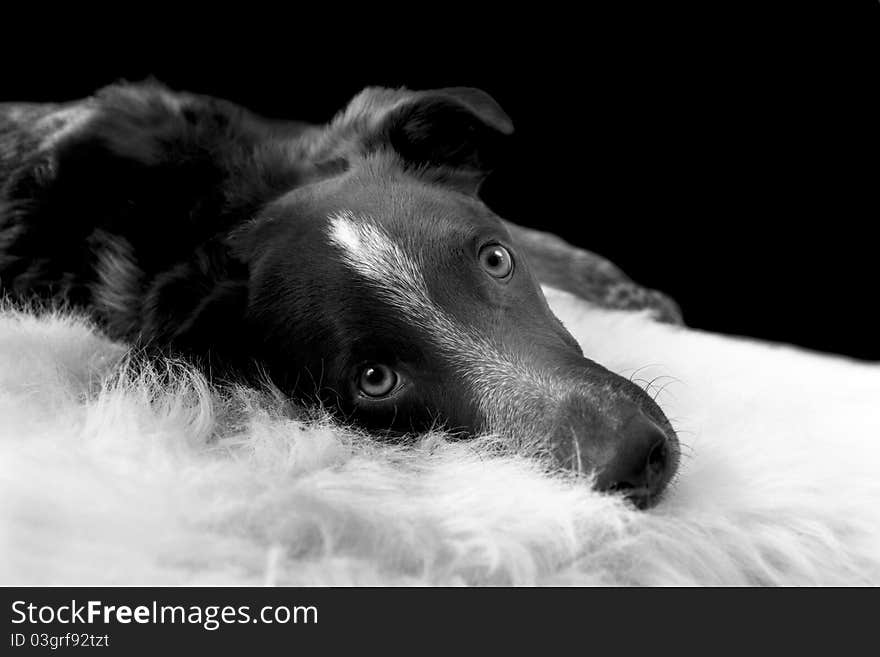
<point x="353" y="263"/>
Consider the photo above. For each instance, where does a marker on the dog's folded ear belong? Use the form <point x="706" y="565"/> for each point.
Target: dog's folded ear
<point x="458" y="133"/>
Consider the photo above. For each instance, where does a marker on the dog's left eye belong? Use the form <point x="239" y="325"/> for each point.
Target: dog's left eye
<point x="496" y="260"/>
<point x="377" y="380"/>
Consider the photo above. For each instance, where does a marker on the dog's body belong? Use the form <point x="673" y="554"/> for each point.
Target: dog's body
<point x="352" y="262"/>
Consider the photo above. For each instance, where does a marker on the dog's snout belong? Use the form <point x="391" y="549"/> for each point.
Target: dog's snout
<point x="641" y="464"/>
<point x="628" y="447"/>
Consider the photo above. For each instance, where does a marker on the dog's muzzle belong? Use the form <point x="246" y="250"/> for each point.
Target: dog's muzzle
<point x="627" y="450"/>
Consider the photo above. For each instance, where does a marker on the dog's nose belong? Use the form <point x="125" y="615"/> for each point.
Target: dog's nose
<point x="628" y="451"/>
<point x="642" y="463"/>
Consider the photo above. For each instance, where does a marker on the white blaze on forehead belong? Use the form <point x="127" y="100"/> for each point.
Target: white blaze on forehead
<point x="508" y="391"/>
<point x="345" y="233"/>
<point x="370" y="251"/>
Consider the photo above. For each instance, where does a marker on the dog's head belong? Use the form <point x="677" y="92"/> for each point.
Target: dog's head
<point x="390" y="292"/>
<point x="370" y="277"/>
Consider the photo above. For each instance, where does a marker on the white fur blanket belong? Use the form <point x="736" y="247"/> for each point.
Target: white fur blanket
<point x="109" y="479"/>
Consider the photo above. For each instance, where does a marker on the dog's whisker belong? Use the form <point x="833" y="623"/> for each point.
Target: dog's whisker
<point x="662" y="389"/>
<point x="638" y="369"/>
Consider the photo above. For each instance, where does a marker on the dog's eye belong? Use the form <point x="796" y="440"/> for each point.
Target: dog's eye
<point x="377" y="380"/>
<point x="496" y="260"/>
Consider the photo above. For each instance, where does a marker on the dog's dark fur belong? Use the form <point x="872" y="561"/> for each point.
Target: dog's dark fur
<point x="187" y="224"/>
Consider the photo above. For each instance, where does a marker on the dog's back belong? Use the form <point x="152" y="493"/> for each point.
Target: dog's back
<point x="120" y="203"/>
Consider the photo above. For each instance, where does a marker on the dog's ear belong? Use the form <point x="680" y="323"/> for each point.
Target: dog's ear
<point x="458" y="134"/>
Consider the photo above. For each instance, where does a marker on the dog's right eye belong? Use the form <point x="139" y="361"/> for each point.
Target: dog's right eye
<point x="376" y="380"/>
<point x="496" y="261"/>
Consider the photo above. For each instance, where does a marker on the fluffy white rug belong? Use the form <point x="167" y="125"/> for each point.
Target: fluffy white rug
<point x="159" y="479"/>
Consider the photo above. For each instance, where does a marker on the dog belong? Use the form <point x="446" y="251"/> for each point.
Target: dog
<point x="353" y="263"/>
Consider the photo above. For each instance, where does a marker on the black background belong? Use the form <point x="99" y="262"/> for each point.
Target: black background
<point x="727" y="155"/>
